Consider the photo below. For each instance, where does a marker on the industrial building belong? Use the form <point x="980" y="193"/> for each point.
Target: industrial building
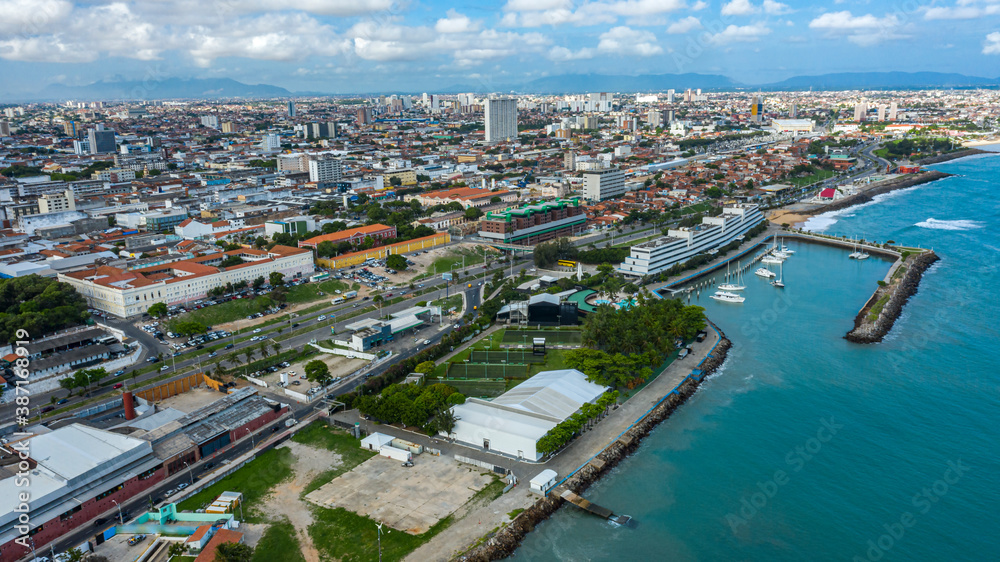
<point x="512" y="423"/>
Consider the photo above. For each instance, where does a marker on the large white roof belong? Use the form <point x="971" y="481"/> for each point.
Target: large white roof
<point x="552" y="393"/>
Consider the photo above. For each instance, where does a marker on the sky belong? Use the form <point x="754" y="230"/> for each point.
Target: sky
<point x="348" y="46"/>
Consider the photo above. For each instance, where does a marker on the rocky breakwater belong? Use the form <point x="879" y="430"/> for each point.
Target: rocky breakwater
<point x="884" y="187"/>
<point x="880" y="313"/>
<point x="507" y="539"/>
<point x="951" y="156"/>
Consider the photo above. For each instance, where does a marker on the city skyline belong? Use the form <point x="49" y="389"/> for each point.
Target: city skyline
<point x="379" y="45"/>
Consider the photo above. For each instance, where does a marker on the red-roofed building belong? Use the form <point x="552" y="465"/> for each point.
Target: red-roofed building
<point x="221" y="536"/>
<point x="355" y="236"/>
<point x="828" y="193"/>
<point x="467" y="196"/>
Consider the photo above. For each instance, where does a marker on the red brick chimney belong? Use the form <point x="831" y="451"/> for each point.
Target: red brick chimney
<point x="129" y="404"/>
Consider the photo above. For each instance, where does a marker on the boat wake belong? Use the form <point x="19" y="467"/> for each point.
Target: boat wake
<point x="950" y="225"/>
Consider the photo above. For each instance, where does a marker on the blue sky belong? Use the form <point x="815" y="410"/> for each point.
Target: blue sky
<point x="416" y="45"/>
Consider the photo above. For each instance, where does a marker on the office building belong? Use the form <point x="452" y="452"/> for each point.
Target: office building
<point x="532" y="224"/>
<point x="599" y="185"/>
<point x="69" y="129"/>
<point x="56" y="202"/>
<point x="291" y="109"/>
<point x="364" y="115"/>
<point x="325" y="169"/>
<point x="102" y="141"/>
<point x="501" y="119"/>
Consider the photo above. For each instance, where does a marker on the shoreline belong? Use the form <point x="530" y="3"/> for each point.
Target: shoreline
<point x="952" y="156"/>
<point x="508" y="539"/>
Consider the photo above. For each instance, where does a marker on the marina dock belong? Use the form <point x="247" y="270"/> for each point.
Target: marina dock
<point x="589" y="506"/>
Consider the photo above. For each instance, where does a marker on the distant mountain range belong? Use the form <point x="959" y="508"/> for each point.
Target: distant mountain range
<point x="170" y="88"/>
<point x="217" y="88"/>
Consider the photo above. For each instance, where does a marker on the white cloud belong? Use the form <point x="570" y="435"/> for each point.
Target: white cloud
<point x="739" y="8"/>
<point x="992" y="45"/>
<point x="699" y="5"/>
<point x="31" y="17"/>
<point x="455" y="23"/>
<point x="961" y="12"/>
<point x="627" y="41"/>
<point x="537" y="5"/>
<point x="865" y="31"/>
<point x="521" y="13"/>
<point x="685" y="25"/>
<point x="278" y="37"/>
<point x="562" y="54"/>
<point x="776" y="8"/>
<point x="739" y="34"/>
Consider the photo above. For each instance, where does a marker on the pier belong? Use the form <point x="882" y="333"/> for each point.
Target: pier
<point x="588" y="506"/>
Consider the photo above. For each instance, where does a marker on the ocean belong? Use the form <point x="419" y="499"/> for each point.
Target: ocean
<point x="804" y="446"/>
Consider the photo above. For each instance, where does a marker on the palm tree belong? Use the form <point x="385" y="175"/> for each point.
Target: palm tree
<point x="263" y="350"/>
<point x="277" y="348"/>
<point x="232" y="358"/>
<point x="378" y="300"/>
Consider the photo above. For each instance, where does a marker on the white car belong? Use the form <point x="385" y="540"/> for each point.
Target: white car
<point x="321" y="318"/>
<point x="256" y="331"/>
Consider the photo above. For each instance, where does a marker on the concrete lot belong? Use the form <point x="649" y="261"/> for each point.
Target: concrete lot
<point x="117" y="548"/>
<point x="407" y="499"/>
<point x="191" y="400"/>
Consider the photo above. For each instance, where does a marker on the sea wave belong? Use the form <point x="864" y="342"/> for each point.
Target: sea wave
<point x="823" y="221"/>
<point x="935" y="224"/>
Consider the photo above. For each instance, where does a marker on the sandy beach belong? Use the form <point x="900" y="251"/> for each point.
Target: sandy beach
<point x="782" y="216"/>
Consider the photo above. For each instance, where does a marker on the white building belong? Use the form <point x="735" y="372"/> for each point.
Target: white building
<point x="599" y="185"/>
<point x="501" y="119"/>
<point x="326" y="169"/>
<point x="792" y="125"/>
<point x="191" y="229"/>
<point x="682" y="244"/>
<point x="512" y="423"/>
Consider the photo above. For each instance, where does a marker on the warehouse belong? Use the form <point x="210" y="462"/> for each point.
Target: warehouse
<point x="512" y="423"/>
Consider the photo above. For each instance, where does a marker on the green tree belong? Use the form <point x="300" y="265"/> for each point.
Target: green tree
<point x="157" y="310"/>
<point x="276" y="279"/>
<point x="230" y="261"/>
<point x="426" y="368"/>
<point x="233" y="552"/>
<point x="396" y="261"/>
<point x="317" y="372"/>
<point x="473" y="213"/>
<point x="258" y="283"/>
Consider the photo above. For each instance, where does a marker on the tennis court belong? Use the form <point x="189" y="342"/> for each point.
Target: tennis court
<point x="551" y="336"/>
<point x="480" y="388"/>
<point x="486" y="371"/>
<point x="509" y="356"/>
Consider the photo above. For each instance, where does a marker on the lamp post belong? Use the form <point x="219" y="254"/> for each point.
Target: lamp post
<point x="119" y="506"/>
<point x="190" y="472"/>
<point x="253" y="443"/>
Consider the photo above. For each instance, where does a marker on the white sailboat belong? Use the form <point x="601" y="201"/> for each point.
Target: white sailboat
<point x="727" y="286"/>
<point x="858" y="254"/>
<point x="723" y="296"/>
<point x="778" y="282"/>
<point x="772" y="259"/>
<point x="764" y="272"/>
<point x="786" y="250"/>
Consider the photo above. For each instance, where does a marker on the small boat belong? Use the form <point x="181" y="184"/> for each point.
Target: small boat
<point x="764" y="272"/>
<point x="772" y="259"/>
<point x="731" y="286"/>
<point x="858" y="254"/>
<point x="786" y="250"/>
<point x="723" y="296"/>
<point x="777" y="282"/>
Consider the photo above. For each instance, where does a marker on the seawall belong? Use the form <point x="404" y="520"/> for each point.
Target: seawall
<point x="507" y="539"/>
<point x="871" y="326"/>
<point x="952" y="156"/>
<point x="885" y="187"/>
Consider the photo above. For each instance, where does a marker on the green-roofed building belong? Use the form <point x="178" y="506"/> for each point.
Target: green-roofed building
<point x="531" y="224"/>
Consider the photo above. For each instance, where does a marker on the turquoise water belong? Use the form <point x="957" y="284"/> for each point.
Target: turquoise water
<point x="807" y="447"/>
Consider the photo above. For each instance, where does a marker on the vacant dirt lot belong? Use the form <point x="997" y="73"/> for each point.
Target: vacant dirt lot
<point x="407" y="499"/>
<point x="191" y="400"/>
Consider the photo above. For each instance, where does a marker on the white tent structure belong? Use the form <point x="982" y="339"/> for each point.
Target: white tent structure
<point x="513" y="422"/>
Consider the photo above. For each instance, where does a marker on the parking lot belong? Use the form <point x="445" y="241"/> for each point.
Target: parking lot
<point x="407" y="499"/>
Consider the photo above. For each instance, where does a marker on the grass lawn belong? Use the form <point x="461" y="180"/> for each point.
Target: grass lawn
<point x="812" y="178"/>
<point x="454" y="257"/>
<point x="320" y="435"/>
<point x="254" y="481"/>
<point x="279" y="544"/>
<point x="310" y="291"/>
<point x="183" y="559"/>
<point x="454" y="301"/>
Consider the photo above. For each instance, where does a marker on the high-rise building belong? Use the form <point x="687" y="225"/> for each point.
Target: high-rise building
<point x="325" y="169"/>
<point x="569" y="160"/>
<point x="69" y="128"/>
<point x="654" y="118"/>
<point x="793" y="113"/>
<point x="881" y="112"/>
<point x="599" y="185"/>
<point x="102" y="141"/>
<point x="228" y="127"/>
<point x="271" y="141"/>
<point x="210" y="121"/>
<point x="860" y="109"/>
<point x="501" y="119"/>
<point x="57" y="202"/>
<point x="364" y="115"/>
<point x="4" y="129"/>
<point x="670" y="96"/>
<point x="757" y="109"/>
<point x="321" y="130"/>
<point x="893" y="109"/>
<point x="291" y="109"/>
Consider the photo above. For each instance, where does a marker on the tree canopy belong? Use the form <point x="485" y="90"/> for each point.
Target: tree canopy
<point x="39" y="305"/>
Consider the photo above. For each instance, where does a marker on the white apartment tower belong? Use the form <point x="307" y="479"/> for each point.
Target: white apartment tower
<point x="501" y="119"/>
<point x="326" y="169"/>
<point x="599" y="185"/>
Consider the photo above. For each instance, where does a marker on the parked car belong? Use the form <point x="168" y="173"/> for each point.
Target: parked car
<point x="121" y="384"/>
<point x="63" y="401"/>
<point x="256" y="330"/>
